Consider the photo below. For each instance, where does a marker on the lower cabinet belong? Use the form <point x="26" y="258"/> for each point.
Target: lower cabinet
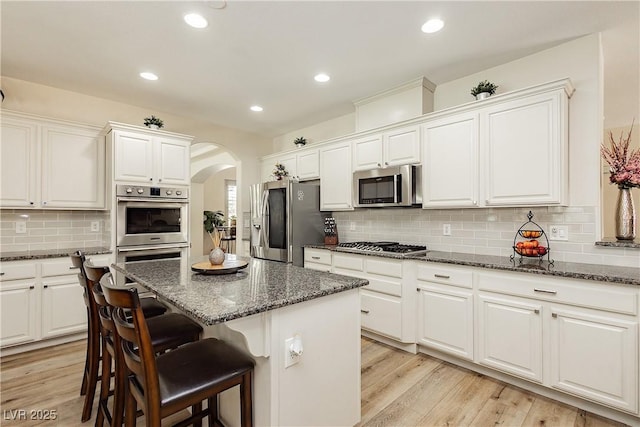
<point x="510" y="336"/>
<point x="41" y="299"/>
<point x="317" y="259"/>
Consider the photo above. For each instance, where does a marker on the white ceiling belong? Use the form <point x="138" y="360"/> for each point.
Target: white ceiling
<point x="267" y="52"/>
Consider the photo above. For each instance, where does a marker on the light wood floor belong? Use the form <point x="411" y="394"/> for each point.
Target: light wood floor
<point x="398" y="389"/>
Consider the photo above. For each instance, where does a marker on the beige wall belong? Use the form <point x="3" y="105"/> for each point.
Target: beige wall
<point x="214" y="196"/>
<point x="340" y="126"/>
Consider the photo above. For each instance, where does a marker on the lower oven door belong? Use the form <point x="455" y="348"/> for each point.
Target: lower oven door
<point x="147" y="253"/>
<point x="151" y="222"/>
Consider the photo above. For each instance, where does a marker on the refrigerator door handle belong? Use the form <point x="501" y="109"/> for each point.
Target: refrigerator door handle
<point x="265" y="215"/>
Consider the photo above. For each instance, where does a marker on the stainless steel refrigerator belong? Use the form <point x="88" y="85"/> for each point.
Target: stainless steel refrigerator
<point x="285" y="216"/>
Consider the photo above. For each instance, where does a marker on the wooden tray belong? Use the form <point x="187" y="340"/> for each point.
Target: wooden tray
<point x="227" y="267"/>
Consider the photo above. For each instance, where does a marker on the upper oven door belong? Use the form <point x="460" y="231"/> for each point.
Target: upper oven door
<point x="148" y="222"/>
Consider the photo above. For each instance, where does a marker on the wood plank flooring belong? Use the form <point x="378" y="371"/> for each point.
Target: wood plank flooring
<point x="398" y="389"/>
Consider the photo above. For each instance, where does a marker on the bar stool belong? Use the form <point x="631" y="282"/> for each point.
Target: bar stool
<point x="182" y="378"/>
<point x="227" y="241"/>
<point x="168" y="331"/>
<point x="151" y="307"/>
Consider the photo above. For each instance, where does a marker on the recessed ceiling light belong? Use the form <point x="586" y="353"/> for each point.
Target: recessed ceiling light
<point x="432" y="25"/>
<point x="322" y="78"/>
<point x="195" y="20"/>
<point x="148" y="76"/>
<point x="256" y="108"/>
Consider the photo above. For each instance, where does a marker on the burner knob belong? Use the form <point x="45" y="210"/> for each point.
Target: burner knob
<point x="140" y="190"/>
<point x="169" y="192"/>
<point x="178" y="193"/>
<point x="129" y="190"/>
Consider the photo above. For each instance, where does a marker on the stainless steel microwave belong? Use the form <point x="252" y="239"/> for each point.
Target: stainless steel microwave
<point x="388" y="187"/>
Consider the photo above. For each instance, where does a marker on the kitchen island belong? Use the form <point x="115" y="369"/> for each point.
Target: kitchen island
<point x="263" y="309"/>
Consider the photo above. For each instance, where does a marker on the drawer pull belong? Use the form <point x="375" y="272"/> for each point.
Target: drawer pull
<point x="73" y="268"/>
<point x="32" y="287"/>
<point x="364" y="311"/>
<point x="315" y="257"/>
<point x="1" y="273"/>
<point x="45" y="286"/>
<point x="536" y="311"/>
<point x="554" y="315"/>
<point x="418" y="289"/>
<point x="442" y="276"/>
<point x="545" y="291"/>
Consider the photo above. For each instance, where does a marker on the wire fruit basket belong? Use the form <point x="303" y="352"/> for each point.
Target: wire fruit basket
<point x="527" y="242"/>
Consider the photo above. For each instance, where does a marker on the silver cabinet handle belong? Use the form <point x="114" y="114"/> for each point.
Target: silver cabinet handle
<point x="32" y="287"/>
<point x="31" y="203"/>
<point x="315" y="257"/>
<point x="379" y="165"/>
<point x="442" y="276"/>
<point x="386" y="163"/>
<point x="1" y="273"/>
<point x="44" y="203"/>
<point x="536" y="311"/>
<point x="364" y="311"/>
<point x="73" y="268"/>
<point x="554" y="315"/>
<point x="45" y="286"/>
<point x="545" y="291"/>
<point x="418" y="289"/>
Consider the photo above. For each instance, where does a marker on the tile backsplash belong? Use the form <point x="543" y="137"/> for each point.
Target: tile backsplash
<point x="488" y="231"/>
<point x="53" y="229"/>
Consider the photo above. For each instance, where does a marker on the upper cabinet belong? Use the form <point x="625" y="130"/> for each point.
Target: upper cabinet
<point x="507" y="151"/>
<point x="450" y="164"/>
<point x="390" y="148"/>
<point x="526" y="150"/>
<point x="302" y="165"/>
<point x="150" y="156"/>
<point x="336" y="177"/>
<point x="51" y="164"/>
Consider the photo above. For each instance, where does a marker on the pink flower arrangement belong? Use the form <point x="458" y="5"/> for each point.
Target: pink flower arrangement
<point x="624" y="164"/>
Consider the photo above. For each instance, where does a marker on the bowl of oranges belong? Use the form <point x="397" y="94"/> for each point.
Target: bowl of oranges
<point x="530" y="234"/>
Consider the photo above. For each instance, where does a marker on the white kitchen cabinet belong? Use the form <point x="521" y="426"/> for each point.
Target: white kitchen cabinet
<point x="42" y="159"/>
<point x="303" y="165"/>
<point x="149" y="156"/>
<point x="595" y="356"/>
<point x="394" y="147"/>
<point x="510" y="336"/>
<point x="42" y="299"/>
<point x="317" y="259"/>
<point x="587" y="332"/>
<point x="526" y="150"/>
<point x="336" y="191"/>
<point x="445" y="309"/>
<point x="450" y="162"/>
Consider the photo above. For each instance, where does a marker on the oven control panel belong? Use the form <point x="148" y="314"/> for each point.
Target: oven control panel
<point x="148" y="192"/>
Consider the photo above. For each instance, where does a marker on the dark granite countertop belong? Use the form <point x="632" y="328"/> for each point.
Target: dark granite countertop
<point x="261" y="286"/>
<point x="50" y="253"/>
<point x="573" y="270"/>
<point x="635" y="244"/>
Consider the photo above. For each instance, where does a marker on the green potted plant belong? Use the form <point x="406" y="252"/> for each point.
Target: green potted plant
<point x="300" y="142"/>
<point x="279" y="172"/>
<point x="153" y="122"/>
<point x="484" y="89"/>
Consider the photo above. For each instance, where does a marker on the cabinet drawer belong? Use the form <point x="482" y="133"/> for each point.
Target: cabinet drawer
<point x="318" y="267"/>
<point x="11" y="271"/>
<point x="446" y="275"/>
<point x="391" y="268"/>
<point x="381" y="314"/>
<point x="379" y="284"/>
<point x="317" y="256"/>
<point x="58" y="267"/>
<point x="348" y="262"/>
<point x="600" y="296"/>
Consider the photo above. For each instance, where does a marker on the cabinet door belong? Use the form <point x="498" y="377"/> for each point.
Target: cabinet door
<point x="63" y="308"/>
<point x="18" y="162"/>
<point x="308" y="165"/>
<point x="595" y="357"/>
<point x="73" y="168"/>
<point x="401" y="146"/>
<point x="18" y="312"/>
<point x="367" y="152"/>
<point x="510" y="336"/>
<point x="133" y="157"/>
<point x="450" y="163"/>
<point x="336" y="178"/>
<point x="173" y="161"/>
<point x="526" y="151"/>
<point x="289" y="163"/>
<point x="445" y="320"/>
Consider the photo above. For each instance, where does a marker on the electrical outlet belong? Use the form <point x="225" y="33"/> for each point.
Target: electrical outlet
<point x="446" y="229"/>
<point x="352" y="226"/>
<point x="559" y="232"/>
<point x="95" y="225"/>
<point x="292" y="351"/>
<point x="21" y="227"/>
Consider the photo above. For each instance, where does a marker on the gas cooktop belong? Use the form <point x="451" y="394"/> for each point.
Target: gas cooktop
<point x="392" y="247"/>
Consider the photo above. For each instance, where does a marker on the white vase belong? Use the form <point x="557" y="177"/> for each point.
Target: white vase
<point x="153" y="126"/>
<point x="482" y="95"/>
<point x="216" y="256"/>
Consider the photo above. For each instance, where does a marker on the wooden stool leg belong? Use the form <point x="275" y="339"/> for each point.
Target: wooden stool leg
<point x="93" y="358"/>
<point x="105" y="383"/>
<point x="120" y="394"/>
<point x="246" y="403"/>
<point x="212" y="406"/>
<point x="194" y="410"/>
<point x="131" y="409"/>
